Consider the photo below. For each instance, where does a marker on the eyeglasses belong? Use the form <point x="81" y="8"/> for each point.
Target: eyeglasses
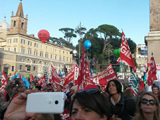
<point x="151" y="102"/>
<point x="89" y="91"/>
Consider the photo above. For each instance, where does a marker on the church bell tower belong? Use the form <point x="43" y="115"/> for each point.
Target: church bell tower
<point x="18" y="22"/>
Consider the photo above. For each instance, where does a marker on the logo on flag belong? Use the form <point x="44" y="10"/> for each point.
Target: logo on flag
<point x="125" y="53"/>
<point x="133" y="83"/>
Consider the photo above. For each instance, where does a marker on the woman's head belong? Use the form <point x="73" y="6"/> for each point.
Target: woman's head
<point x="89" y="106"/>
<point x="128" y="93"/>
<point x="148" y="104"/>
<point x="114" y="87"/>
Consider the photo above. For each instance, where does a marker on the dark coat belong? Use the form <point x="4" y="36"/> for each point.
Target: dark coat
<point x="124" y="109"/>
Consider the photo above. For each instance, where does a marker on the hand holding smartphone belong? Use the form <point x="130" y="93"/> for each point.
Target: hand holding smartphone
<point x="45" y="102"/>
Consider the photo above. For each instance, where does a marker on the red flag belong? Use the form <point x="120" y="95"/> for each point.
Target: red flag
<point x="54" y="78"/>
<point x="42" y="80"/>
<point x="4" y="81"/>
<point x="107" y="75"/>
<point x="87" y="69"/>
<point x="103" y="78"/>
<point x="141" y="87"/>
<point x="71" y="76"/>
<point x="125" y="52"/>
<point x="81" y="77"/>
<point x="31" y="78"/>
<point x="152" y="71"/>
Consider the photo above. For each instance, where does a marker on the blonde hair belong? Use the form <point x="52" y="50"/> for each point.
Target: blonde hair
<point x="139" y="115"/>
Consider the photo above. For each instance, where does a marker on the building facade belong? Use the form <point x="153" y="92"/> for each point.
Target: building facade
<point x="153" y="38"/>
<point x="26" y="54"/>
<point x="141" y="56"/>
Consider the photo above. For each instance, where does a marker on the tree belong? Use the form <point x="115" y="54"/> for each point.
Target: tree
<point x="132" y="45"/>
<point x="107" y="32"/>
<point x="91" y="33"/>
<point x="61" y="41"/>
<point x="68" y="33"/>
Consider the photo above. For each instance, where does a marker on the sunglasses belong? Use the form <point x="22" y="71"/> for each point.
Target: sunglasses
<point x="151" y="102"/>
<point x="89" y="91"/>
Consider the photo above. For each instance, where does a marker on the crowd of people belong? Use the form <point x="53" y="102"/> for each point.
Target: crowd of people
<point x="94" y="102"/>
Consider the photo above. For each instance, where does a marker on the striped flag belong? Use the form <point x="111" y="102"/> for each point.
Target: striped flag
<point x="81" y="77"/>
<point x="152" y="71"/>
<point x="133" y="83"/>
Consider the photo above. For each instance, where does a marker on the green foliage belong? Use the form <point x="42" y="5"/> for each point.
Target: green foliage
<point x="68" y="33"/>
<point x="105" y="39"/>
<point x="132" y="45"/>
<point x="61" y="41"/>
<point x="107" y="31"/>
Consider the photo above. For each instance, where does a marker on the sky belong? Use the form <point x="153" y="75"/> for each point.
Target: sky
<point x="130" y="15"/>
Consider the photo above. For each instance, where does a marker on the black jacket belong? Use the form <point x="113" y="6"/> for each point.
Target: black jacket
<point x="124" y="109"/>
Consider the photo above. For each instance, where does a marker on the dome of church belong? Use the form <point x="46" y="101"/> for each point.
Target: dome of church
<point x="4" y="25"/>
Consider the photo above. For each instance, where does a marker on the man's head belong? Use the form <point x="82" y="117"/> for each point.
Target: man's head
<point x="155" y="89"/>
<point x="59" y="88"/>
<point x="33" y="83"/>
<point x="70" y="84"/>
<point x="39" y="88"/>
<point x="93" y="58"/>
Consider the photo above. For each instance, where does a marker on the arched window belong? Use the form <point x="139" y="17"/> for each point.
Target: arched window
<point x="139" y="50"/>
<point x="22" y="25"/>
<point x="14" y="23"/>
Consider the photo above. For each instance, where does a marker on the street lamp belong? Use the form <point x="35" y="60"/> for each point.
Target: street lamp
<point x="74" y="52"/>
<point x="80" y="30"/>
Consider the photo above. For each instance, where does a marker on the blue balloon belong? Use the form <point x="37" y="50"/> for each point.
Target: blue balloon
<point x="87" y="44"/>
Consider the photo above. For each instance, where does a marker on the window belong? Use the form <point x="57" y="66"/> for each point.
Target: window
<point x="22" y="50"/>
<point x="41" y="46"/>
<point x="60" y="58"/>
<point x="36" y="45"/>
<point x="70" y="60"/>
<point x="9" y="41"/>
<point x="15" y="49"/>
<point x="20" y="67"/>
<point x="9" y="49"/>
<point x="67" y="59"/>
<point x="12" y="68"/>
<point x="46" y="55"/>
<point x="15" y="40"/>
<point x="63" y="52"/>
<point x="51" y="48"/>
<point x="59" y="51"/>
<point x="51" y="56"/>
<point x="29" y="43"/>
<point x="28" y="67"/>
<point x="41" y="54"/>
<point x="22" y="25"/>
<point x="55" y="50"/>
<point x="46" y="47"/>
<point x="34" y="68"/>
<point x="64" y="58"/>
<point x="29" y="51"/>
<point x="14" y="23"/>
<point x="67" y="53"/>
<point x="22" y="41"/>
<point x="35" y="53"/>
<point x="55" y="57"/>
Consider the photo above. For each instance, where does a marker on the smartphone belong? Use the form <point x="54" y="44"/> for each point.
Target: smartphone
<point x="45" y="102"/>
